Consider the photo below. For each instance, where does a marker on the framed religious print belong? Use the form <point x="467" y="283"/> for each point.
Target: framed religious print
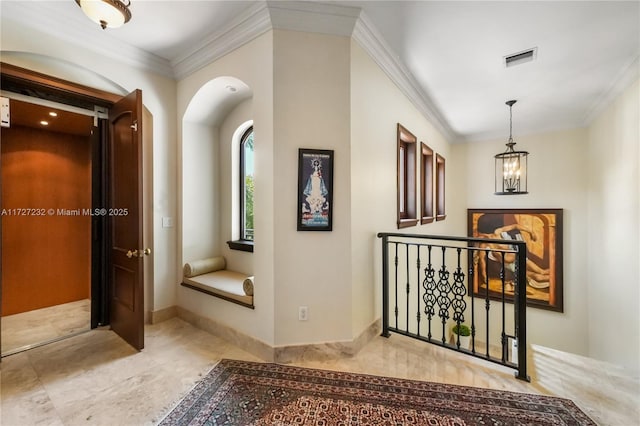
<point x="541" y="229"/>
<point x="315" y="189"/>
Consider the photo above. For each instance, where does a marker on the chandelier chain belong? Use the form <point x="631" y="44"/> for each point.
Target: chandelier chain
<point x="510" y="123"/>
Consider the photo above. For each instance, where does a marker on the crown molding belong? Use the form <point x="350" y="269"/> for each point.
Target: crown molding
<point x="368" y="37"/>
<point x="313" y="17"/>
<point x="262" y="17"/>
<point x="626" y="77"/>
<point x="38" y="15"/>
<point x="250" y="24"/>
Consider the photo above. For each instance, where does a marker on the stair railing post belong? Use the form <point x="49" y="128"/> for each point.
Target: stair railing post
<point x="521" y="314"/>
<point x="385" y="285"/>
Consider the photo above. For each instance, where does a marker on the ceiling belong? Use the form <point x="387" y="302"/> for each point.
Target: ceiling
<point x="51" y="119"/>
<point x="587" y="52"/>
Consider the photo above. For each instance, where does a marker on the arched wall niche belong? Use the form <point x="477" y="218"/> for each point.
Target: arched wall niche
<point x="206" y="165"/>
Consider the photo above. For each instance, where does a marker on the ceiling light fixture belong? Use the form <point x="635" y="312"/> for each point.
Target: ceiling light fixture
<point x="107" y="13"/>
<point x="511" y="166"/>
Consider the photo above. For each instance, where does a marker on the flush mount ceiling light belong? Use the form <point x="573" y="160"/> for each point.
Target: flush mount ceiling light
<point x="511" y="166"/>
<point x="106" y="13"/>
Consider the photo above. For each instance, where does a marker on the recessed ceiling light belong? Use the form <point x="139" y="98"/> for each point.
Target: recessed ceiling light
<point x="44" y="123"/>
<point x="53" y="114"/>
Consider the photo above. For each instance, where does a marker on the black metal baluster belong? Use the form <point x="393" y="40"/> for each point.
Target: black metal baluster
<point x="487" y="303"/>
<point x="396" y="286"/>
<point x="444" y="290"/>
<point x="408" y="287"/>
<point x="459" y="290"/>
<point x="503" y="336"/>
<point x="503" y="274"/>
<point x="418" y="288"/>
<point x="429" y="297"/>
<point x="472" y="270"/>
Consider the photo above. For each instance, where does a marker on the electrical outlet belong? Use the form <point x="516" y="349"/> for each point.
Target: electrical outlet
<point x="303" y="313"/>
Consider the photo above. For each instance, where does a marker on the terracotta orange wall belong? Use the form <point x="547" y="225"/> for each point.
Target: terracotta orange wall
<point x="46" y="260"/>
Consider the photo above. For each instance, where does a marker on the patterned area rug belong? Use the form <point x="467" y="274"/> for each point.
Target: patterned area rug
<point x="248" y="393"/>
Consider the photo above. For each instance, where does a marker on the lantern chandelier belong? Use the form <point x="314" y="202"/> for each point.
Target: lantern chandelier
<point x="106" y="13"/>
<point x="511" y="166"/>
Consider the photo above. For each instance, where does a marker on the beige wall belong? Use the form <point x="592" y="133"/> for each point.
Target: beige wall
<point x="377" y="105"/>
<point x="311" y="110"/>
<point x="557" y="179"/>
<point x="201" y="204"/>
<point x="613" y="230"/>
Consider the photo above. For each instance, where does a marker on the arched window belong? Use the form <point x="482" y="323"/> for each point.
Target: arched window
<point x="246" y="185"/>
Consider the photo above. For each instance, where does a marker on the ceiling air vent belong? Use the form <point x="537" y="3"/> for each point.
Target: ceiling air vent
<point x="521" y="57"/>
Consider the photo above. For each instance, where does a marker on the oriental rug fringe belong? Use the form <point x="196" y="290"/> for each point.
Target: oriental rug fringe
<point x="249" y="393"/>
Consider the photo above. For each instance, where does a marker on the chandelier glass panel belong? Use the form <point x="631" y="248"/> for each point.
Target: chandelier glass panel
<point x="511" y="166"/>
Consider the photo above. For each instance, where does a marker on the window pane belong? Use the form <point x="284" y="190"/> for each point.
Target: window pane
<point x="248" y="187"/>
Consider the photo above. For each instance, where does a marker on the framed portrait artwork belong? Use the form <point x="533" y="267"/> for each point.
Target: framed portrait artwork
<point x="541" y="229"/>
<point x="315" y="190"/>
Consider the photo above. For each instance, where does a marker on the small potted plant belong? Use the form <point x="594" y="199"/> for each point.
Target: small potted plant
<point x="463" y="332"/>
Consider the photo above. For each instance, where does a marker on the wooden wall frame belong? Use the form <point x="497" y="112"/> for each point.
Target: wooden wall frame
<point x="440" y="188"/>
<point x="406" y="183"/>
<point x="426" y="184"/>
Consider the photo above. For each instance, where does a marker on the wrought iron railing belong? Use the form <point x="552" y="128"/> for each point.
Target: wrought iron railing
<point x="433" y="283"/>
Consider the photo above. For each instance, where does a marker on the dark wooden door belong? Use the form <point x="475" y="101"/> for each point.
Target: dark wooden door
<point x="125" y="215"/>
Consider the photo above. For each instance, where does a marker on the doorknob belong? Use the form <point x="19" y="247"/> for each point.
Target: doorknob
<point x="138" y="253"/>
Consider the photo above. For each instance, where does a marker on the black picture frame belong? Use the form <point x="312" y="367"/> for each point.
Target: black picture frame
<point x="315" y="190"/>
<point x="542" y="230"/>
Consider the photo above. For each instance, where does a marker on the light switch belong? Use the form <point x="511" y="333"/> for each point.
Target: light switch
<point x="4" y="112"/>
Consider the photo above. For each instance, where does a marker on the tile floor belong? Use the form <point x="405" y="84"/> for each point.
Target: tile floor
<point x="43" y="325"/>
<point x="97" y="379"/>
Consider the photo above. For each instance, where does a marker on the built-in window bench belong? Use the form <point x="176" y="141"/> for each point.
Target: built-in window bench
<point x="209" y="276"/>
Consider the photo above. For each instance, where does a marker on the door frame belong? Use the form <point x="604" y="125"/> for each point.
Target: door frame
<point x="99" y="227"/>
<point x="41" y="85"/>
<point x="36" y="84"/>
